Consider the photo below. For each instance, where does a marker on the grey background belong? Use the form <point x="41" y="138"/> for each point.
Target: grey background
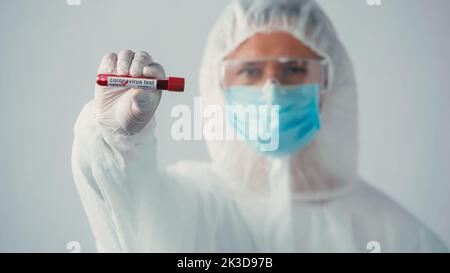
<point x="49" y="53"/>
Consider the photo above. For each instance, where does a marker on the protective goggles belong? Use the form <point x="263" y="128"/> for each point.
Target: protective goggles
<point x="285" y="70"/>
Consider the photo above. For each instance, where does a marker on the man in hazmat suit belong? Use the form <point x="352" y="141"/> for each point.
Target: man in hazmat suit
<point x="302" y="195"/>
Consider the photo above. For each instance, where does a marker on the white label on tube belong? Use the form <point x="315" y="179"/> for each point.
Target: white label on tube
<point x="132" y="82"/>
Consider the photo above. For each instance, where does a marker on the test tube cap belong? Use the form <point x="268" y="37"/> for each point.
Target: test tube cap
<point x="175" y="84"/>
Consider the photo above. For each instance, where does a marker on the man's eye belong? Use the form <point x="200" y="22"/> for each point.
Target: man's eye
<point x="296" y="70"/>
<point x="250" y="72"/>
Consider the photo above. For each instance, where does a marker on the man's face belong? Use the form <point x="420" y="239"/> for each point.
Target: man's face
<point x="274" y="44"/>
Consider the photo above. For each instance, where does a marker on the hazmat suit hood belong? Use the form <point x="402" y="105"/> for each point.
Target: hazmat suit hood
<point x="327" y="167"/>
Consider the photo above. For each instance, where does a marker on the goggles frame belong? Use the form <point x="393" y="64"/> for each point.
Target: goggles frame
<point x="324" y="85"/>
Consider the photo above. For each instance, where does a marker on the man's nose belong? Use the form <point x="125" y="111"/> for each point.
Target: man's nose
<point x="271" y="72"/>
<point x="273" y="80"/>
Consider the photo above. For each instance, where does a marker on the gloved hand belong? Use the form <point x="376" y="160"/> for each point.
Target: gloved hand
<point x="127" y="110"/>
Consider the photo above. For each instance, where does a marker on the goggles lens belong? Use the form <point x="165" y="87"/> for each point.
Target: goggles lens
<point x="287" y="71"/>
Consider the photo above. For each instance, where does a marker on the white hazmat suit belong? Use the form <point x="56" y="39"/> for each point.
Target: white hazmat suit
<point x="242" y="201"/>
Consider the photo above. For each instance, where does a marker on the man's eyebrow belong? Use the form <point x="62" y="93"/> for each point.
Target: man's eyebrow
<point x="250" y="63"/>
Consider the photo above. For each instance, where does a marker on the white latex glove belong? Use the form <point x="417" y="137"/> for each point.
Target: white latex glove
<point x="127" y="110"/>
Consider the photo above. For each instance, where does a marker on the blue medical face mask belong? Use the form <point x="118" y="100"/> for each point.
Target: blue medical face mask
<point x="287" y="116"/>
